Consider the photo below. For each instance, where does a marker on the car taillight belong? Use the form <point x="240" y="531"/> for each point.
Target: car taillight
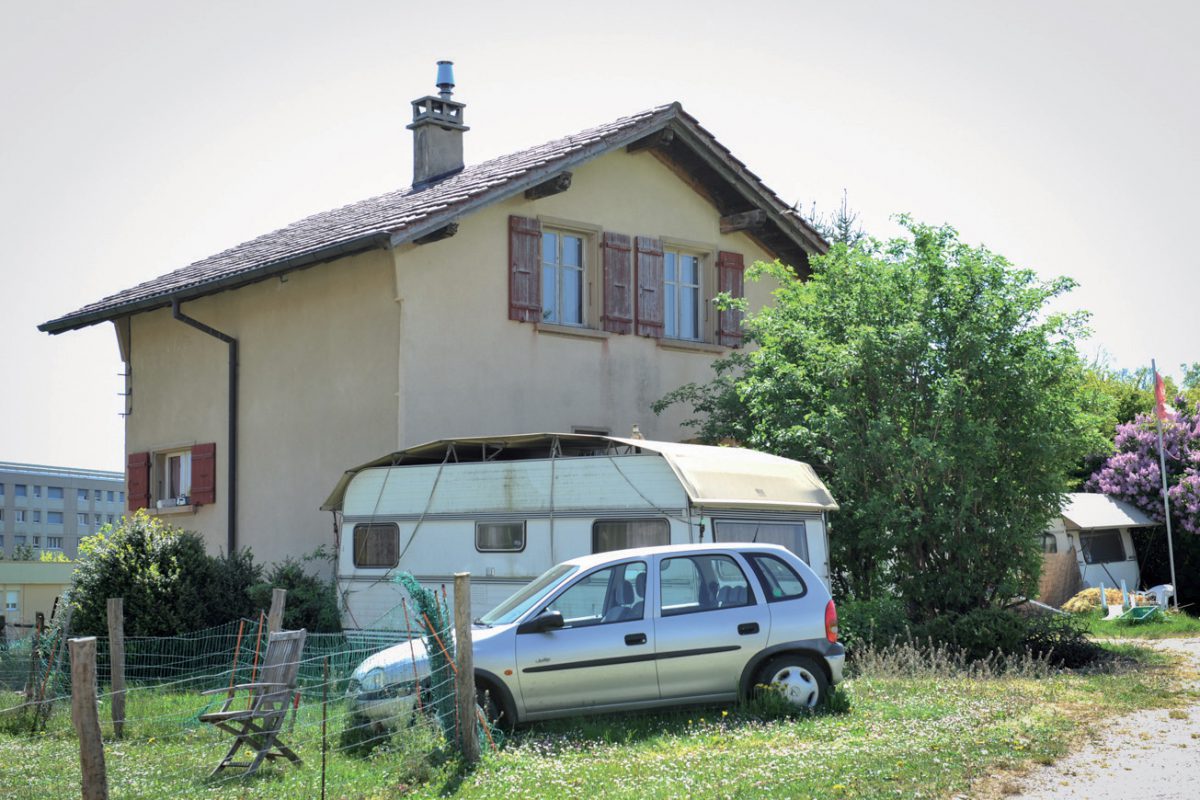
<point x="831" y="630"/>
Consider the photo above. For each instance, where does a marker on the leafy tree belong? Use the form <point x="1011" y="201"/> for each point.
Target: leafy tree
<point x="22" y="552"/>
<point x="54" y="557"/>
<point x="1133" y="474"/>
<point x="928" y="385"/>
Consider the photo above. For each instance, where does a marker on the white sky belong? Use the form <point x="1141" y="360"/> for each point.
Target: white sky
<point x="138" y="137"/>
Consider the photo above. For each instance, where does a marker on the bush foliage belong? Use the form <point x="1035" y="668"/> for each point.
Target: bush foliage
<point x="311" y="600"/>
<point x="168" y="582"/>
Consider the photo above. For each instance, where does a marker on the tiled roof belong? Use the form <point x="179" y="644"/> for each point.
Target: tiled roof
<point x="391" y="218"/>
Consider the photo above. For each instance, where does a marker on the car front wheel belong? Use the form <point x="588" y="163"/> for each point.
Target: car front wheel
<point x="799" y="679"/>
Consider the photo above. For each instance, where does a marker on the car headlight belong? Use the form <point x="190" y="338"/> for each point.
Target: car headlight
<point x="373" y="681"/>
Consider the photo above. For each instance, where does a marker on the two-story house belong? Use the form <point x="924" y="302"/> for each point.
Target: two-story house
<point x="561" y="288"/>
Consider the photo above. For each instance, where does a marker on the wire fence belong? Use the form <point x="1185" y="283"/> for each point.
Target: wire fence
<point x="354" y="739"/>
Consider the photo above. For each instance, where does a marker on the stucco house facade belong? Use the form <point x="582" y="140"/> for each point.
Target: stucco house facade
<point x="561" y="288"/>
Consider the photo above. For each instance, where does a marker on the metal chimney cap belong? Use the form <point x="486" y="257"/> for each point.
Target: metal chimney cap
<point x="445" y="79"/>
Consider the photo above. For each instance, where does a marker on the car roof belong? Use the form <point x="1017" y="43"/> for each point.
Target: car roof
<point x="610" y="556"/>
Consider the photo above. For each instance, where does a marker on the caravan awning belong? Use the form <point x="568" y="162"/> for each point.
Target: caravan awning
<point x="1086" y="511"/>
<point x="713" y="477"/>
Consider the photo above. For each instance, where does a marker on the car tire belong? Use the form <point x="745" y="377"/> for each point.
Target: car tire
<point x="799" y="679"/>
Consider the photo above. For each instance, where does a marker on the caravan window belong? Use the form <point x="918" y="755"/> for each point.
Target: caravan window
<point x="377" y="545"/>
<point x="791" y="535"/>
<point x="621" y="534"/>
<point x="1103" y="546"/>
<point x="499" y="537"/>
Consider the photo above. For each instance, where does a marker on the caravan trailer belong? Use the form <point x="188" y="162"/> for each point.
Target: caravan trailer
<point x="507" y="508"/>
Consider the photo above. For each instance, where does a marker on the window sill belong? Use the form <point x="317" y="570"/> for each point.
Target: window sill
<point x="166" y="511"/>
<point x="571" y="331"/>
<point x="689" y="346"/>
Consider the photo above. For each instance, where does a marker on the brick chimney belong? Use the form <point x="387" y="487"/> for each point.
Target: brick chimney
<point x="437" y="128"/>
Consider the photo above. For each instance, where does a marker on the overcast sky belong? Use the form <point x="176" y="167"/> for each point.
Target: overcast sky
<point x="141" y="136"/>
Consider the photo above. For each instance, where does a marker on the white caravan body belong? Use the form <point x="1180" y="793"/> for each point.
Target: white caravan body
<point x="1097" y="528"/>
<point x="505" y="509"/>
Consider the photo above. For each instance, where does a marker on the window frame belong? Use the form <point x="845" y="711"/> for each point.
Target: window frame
<point x="760" y="573"/>
<point x="589" y="234"/>
<point x="609" y="521"/>
<point x="354" y="545"/>
<point x="1086" y="549"/>
<point x="524" y="537"/>
<point x="160" y="467"/>
<point x="663" y="612"/>
<point x="706" y="276"/>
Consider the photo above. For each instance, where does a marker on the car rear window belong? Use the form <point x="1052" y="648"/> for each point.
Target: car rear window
<point x="779" y="580"/>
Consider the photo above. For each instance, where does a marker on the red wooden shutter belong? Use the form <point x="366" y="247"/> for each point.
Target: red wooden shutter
<point x="137" y="480"/>
<point x="204" y="474"/>
<point x="525" y="263"/>
<point x="649" y="301"/>
<point x="618" y="282"/>
<point x="731" y="270"/>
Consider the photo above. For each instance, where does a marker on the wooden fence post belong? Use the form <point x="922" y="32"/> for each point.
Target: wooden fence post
<point x="35" y="647"/>
<point x="116" y="661"/>
<point x="468" y="731"/>
<point x="86" y="718"/>
<point x="275" y="615"/>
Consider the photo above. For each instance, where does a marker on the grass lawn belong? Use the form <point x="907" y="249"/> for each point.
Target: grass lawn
<point x="1170" y="625"/>
<point x="913" y="736"/>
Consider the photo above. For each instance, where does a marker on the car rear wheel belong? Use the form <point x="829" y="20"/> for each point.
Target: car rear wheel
<point x="799" y="679"/>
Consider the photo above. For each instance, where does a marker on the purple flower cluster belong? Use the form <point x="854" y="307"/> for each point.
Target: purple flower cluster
<point x="1132" y="473"/>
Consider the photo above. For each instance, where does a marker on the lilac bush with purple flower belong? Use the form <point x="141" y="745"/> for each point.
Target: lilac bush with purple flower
<point x="1132" y="473"/>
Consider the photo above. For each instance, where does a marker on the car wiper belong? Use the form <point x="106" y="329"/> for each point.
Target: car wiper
<point x="480" y="623"/>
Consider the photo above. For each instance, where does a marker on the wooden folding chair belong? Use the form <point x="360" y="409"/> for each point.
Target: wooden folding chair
<point x="257" y="725"/>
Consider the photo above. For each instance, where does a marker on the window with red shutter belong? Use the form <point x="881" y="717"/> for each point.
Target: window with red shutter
<point x="618" y="282"/>
<point x="731" y="270"/>
<point x="524" y="263"/>
<point x="648" y="304"/>
<point x="204" y="474"/>
<point x="137" y="479"/>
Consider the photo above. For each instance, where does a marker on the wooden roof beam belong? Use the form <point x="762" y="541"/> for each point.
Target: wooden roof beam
<point x="745" y="221"/>
<point x="556" y="185"/>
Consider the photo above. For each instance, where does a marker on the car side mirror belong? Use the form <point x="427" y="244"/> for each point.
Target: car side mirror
<point x="546" y="621"/>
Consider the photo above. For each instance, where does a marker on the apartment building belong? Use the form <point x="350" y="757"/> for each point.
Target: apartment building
<point x="49" y="509"/>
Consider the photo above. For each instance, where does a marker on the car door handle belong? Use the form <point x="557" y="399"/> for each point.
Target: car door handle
<point x="635" y="638"/>
<point x="747" y="628"/>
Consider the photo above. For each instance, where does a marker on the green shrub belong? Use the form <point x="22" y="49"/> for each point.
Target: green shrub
<point x="168" y="582"/>
<point x="311" y="600"/>
<point x="1061" y="640"/>
<point x="871" y="623"/>
<point x="978" y="633"/>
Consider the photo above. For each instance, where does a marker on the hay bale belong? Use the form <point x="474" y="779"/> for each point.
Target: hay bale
<point x="1089" y="600"/>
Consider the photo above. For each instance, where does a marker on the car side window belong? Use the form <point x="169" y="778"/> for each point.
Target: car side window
<point x="779" y="580"/>
<point x="612" y="594"/>
<point x="702" y="583"/>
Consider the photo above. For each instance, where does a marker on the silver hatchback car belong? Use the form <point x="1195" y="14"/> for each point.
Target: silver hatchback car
<point x="636" y="629"/>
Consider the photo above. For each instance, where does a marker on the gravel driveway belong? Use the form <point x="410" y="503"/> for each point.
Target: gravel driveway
<point x="1164" y="765"/>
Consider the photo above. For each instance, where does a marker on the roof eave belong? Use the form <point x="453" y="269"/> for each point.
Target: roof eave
<point x="360" y="244"/>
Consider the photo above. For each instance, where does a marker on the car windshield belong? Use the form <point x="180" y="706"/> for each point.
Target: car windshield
<point x="527" y="596"/>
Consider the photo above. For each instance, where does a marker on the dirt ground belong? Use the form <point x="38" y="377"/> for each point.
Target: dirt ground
<point x="1150" y="754"/>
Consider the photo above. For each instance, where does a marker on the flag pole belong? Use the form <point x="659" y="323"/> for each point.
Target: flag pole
<point x="1160" y="411"/>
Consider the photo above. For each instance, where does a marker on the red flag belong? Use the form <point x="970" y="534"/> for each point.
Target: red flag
<point x="1160" y="397"/>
